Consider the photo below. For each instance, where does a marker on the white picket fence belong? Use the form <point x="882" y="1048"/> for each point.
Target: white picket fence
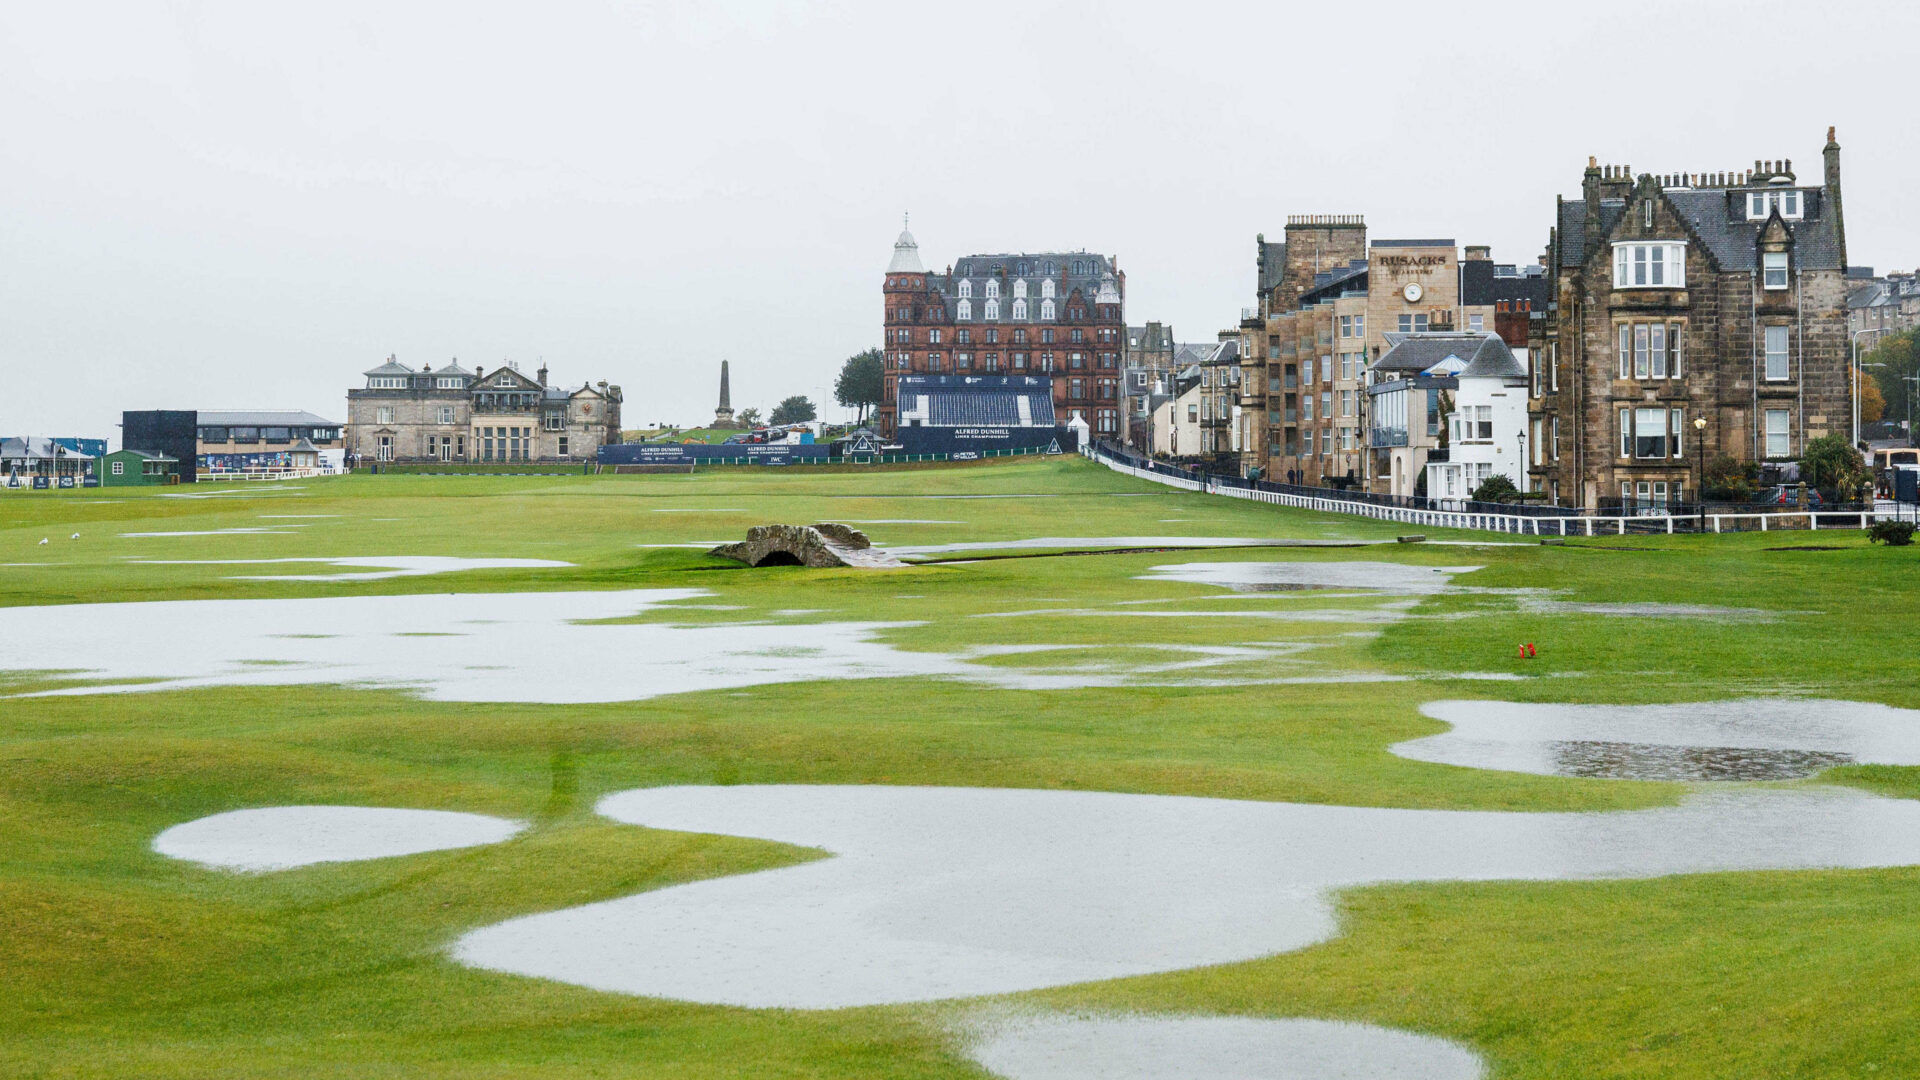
<point x="1522" y="524"/>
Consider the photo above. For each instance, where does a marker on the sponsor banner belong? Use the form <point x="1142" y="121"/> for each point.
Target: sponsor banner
<point x="699" y="453"/>
<point x="975" y="440"/>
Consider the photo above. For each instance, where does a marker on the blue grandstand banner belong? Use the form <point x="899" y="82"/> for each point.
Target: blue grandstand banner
<point x="974" y="401"/>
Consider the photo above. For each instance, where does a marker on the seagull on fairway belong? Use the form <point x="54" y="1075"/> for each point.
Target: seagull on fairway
<point x="43" y="540"/>
<point x="75" y="536"/>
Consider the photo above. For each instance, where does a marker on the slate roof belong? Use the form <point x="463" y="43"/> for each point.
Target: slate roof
<point x="390" y="368"/>
<point x="1273" y="265"/>
<point x="1718" y="216"/>
<point x="1493" y="360"/>
<point x="37" y="446"/>
<point x="1005" y="268"/>
<point x="1329" y="284"/>
<point x="1481" y="284"/>
<point x="1193" y="352"/>
<point x="1414" y="353"/>
<point x="252" y="418"/>
<point x="1875" y="295"/>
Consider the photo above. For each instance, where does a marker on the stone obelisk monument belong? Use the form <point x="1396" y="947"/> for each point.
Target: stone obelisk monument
<point x="723" y="416"/>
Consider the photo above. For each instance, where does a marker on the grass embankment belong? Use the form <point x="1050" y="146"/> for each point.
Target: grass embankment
<point x="116" y="962"/>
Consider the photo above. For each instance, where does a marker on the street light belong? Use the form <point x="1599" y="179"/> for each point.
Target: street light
<point x="1700" y="481"/>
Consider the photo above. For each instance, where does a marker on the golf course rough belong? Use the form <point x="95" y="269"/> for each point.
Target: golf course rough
<point x="117" y="960"/>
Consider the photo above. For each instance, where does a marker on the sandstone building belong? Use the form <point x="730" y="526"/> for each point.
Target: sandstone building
<point x="1330" y="304"/>
<point x="1054" y="314"/>
<point x="1698" y="314"/>
<point x="455" y="415"/>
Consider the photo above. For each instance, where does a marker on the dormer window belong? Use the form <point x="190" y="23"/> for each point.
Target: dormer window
<point x="992" y="312"/>
<point x="386" y="382"/>
<point x="1020" y="290"/>
<point x="1659" y="265"/>
<point x="993" y="289"/>
<point x="963" y="310"/>
<point x="1046" y="291"/>
<point x="966" y="288"/>
<point x="1762" y="203"/>
<point x="1020" y="306"/>
<point x="451" y="382"/>
<point x="1773" y="269"/>
<point x="1046" y="310"/>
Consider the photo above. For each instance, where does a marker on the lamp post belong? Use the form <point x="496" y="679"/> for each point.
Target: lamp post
<point x="1700" y="481"/>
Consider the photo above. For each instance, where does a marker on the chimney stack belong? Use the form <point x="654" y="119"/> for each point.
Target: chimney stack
<point x="541" y="375"/>
<point x="1832" y="154"/>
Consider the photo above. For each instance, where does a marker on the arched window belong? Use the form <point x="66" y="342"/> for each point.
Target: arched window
<point x="1079" y="268"/>
<point x="992" y="310"/>
<point x="1019" y="290"/>
<point x="1046" y="268"/>
<point x="1046" y="309"/>
<point x="993" y="289"/>
<point x="963" y="310"/>
<point x="1046" y="291"/>
<point x="1020" y="309"/>
<point x="966" y="288"/>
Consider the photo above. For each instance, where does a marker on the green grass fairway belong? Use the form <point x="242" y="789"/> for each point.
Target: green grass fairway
<point x="117" y="962"/>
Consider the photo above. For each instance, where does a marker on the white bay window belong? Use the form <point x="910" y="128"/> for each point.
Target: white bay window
<point x="1650" y="265"/>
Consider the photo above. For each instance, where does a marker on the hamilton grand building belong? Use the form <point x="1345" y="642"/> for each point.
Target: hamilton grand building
<point x="1058" y="316"/>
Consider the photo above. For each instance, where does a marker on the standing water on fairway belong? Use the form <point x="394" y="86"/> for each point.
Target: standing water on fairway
<point x="933" y="893"/>
<point x="1752" y="739"/>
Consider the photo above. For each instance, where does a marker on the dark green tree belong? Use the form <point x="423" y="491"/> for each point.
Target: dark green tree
<point x="794" y="410"/>
<point x="1730" y="480"/>
<point x="1496" y="489"/>
<point x="1834" y="468"/>
<point x="859" y="384"/>
<point x="748" y="417"/>
<point x="1893" y="359"/>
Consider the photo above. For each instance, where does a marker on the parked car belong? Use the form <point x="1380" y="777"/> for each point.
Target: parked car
<point x="1789" y="495"/>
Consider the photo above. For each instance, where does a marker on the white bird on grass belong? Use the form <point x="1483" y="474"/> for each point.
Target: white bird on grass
<point x="75" y="536"/>
<point x="43" y="540"/>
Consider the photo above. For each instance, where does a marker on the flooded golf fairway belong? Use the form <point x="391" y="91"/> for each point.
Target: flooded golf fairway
<point x="934" y="893"/>
<point x="1749" y="739"/>
<point x="285" y="837"/>
<point x="494" y="775"/>
<point x="544" y="647"/>
<point x="1050" y="1047"/>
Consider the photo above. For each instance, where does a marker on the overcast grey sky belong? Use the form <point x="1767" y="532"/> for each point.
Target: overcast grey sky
<point x="246" y="205"/>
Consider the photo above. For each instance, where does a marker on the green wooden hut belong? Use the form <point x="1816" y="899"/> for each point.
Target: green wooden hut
<point x="126" y="468"/>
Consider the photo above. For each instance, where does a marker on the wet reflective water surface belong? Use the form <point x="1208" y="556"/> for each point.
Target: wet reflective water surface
<point x="1750" y="739"/>
<point x="931" y="893"/>
<point x="1232" y="1048"/>
<point x="1644" y="761"/>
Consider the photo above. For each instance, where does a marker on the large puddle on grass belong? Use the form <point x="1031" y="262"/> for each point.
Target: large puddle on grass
<point x="931" y="893"/>
<point x="1060" y="1047"/>
<point x="551" y="647"/>
<point x="1253" y="577"/>
<point x="1756" y="739"/>
<point x="1099" y="543"/>
<point x="381" y="566"/>
<point x="284" y="837"/>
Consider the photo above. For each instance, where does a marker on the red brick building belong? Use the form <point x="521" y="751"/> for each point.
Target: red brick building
<point x="1057" y="314"/>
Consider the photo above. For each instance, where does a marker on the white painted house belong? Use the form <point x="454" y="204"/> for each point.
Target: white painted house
<point x="1487" y="429"/>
